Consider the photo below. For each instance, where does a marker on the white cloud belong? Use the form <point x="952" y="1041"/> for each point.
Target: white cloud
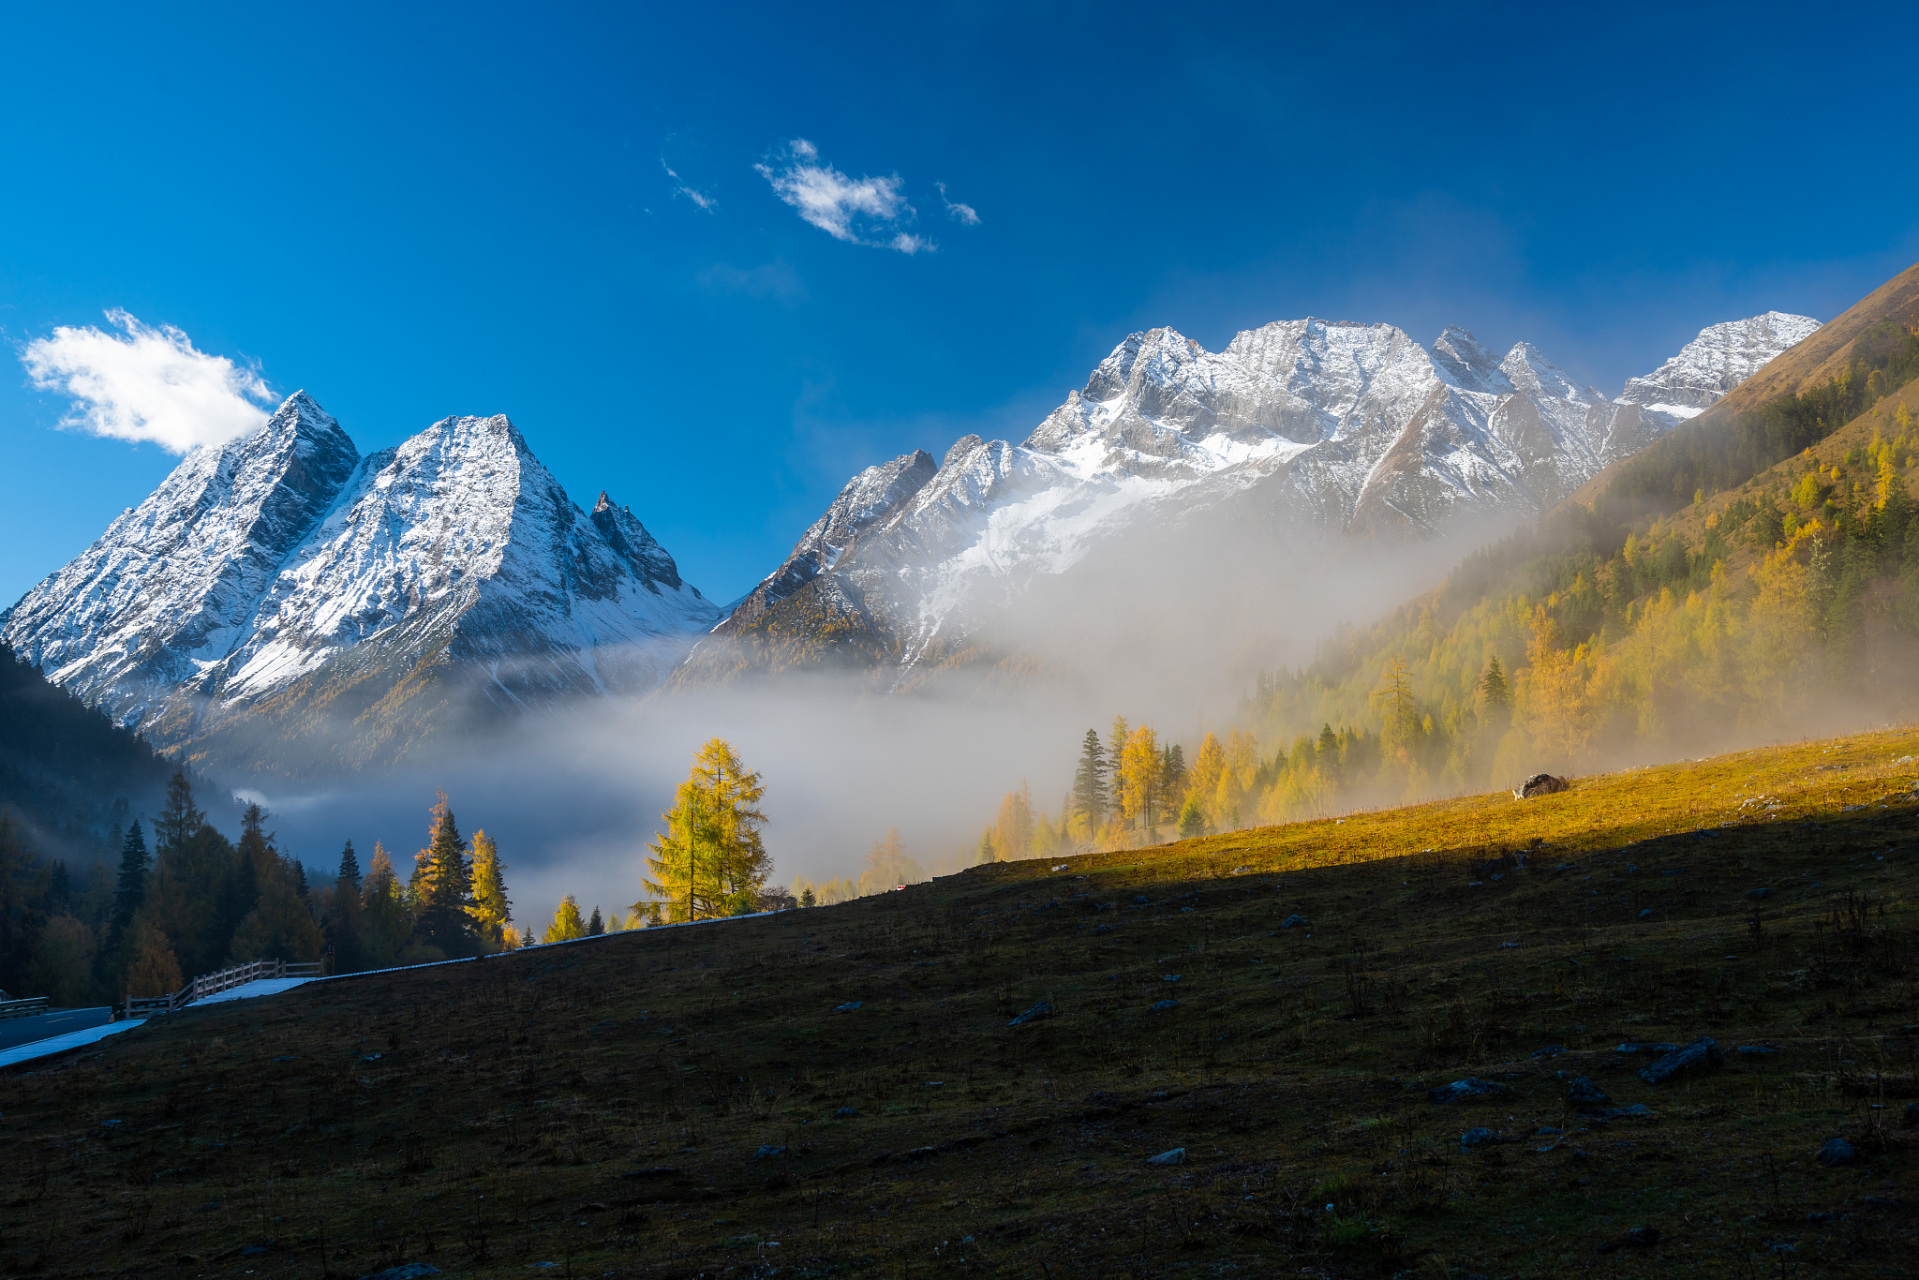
<point x="965" y="214"/>
<point x="680" y="188"/>
<point x="148" y="385"/>
<point x="868" y="211"/>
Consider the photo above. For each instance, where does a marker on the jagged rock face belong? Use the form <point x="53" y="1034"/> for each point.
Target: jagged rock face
<point x="868" y="501"/>
<point x="172" y="584"/>
<point x="455" y="559"/>
<point x="1310" y="426"/>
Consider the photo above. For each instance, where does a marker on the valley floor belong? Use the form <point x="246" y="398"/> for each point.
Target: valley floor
<point x="840" y="1091"/>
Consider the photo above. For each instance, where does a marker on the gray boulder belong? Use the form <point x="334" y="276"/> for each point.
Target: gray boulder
<point x="1836" y="1152"/>
<point x="1176" y="1156"/>
<point x="1582" y="1092"/>
<point x="1702" y="1054"/>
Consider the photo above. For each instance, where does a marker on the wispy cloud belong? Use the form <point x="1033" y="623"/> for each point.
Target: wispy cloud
<point x="965" y="214"/>
<point x="147" y="384"/>
<point x="681" y="187"/>
<point x="868" y="211"/>
<point x="774" y="280"/>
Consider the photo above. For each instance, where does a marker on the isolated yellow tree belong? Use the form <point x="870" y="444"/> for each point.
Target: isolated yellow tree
<point x="567" y="924"/>
<point x="1013" y="831"/>
<point x="490" y="909"/>
<point x="710" y="861"/>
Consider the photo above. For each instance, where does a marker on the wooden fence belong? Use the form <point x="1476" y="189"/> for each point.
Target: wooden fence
<point x="213" y="983"/>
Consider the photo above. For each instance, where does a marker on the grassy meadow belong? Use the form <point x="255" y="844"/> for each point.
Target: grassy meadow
<point x="838" y="1091"/>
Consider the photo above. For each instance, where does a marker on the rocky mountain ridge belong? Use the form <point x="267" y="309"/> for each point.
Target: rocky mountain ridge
<point x="1318" y="428"/>
<point x="284" y="574"/>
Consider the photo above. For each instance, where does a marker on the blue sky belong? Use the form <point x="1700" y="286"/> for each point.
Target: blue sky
<point x="590" y="217"/>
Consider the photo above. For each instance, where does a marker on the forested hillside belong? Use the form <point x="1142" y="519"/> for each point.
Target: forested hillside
<point x="68" y="775"/>
<point x="1755" y="574"/>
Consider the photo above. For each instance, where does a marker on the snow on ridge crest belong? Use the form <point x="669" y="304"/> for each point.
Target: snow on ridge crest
<point x="258" y="563"/>
<point x="1343" y="427"/>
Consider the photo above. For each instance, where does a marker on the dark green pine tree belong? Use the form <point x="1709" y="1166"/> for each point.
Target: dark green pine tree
<point x="595" y="926"/>
<point x="1494" y="691"/>
<point x="1089" y="780"/>
<point x="446" y="889"/>
<point x="343" y="925"/>
<point x="181" y="819"/>
<point x="1172" y="774"/>
<point x="349" y="868"/>
<point x="253" y="870"/>
<point x="131" y="890"/>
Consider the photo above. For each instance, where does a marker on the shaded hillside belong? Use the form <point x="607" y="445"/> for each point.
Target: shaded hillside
<point x="969" y="1077"/>
<point x="70" y="776"/>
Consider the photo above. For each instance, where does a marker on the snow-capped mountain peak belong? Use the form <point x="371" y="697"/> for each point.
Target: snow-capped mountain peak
<point x="1324" y="427"/>
<point x="1719" y="359"/>
<point x="283" y="568"/>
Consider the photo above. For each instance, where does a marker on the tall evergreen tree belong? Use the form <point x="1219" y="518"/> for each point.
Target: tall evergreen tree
<point x="595" y="926"/>
<point x="190" y="897"/>
<point x="444" y="913"/>
<point x="386" y="921"/>
<point x="345" y="916"/>
<point x="1089" y="780"/>
<point x="1494" y="692"/>
<point x="180" y="818"/>
<point x="349" y="873"/>
<point x="131" y="889"/>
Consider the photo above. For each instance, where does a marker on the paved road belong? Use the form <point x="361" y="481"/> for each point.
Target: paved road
<point x="47" y="1025"/>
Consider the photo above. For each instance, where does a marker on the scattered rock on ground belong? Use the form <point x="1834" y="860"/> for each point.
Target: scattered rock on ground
<point x="1167" y="1004"/>
<point x="1477" y="1138"/>
<point x="1540" y="784"/>
<point x="846" y="1113"/>
<point x="1836" y="1152"/>
<point x="1293" y="922"/>
<point x="1756" y="1050"/>
<point x="1651" y="1048"/>
<point x="1702" y="1054"/>
<point x="1550" y="1051"/>
<point x="1469" y="1088"/>
<point x="850" y="1006"/>
<point x="1583" y="1092"/>
<point x="1176" y="1156"/>
<point x="767" y="1153"/>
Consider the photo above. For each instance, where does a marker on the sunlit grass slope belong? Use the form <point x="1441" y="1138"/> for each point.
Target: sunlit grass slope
<point x="674" y="1102"/>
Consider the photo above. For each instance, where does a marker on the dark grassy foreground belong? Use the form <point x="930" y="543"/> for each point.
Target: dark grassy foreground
<point x="670" y="1103"/>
